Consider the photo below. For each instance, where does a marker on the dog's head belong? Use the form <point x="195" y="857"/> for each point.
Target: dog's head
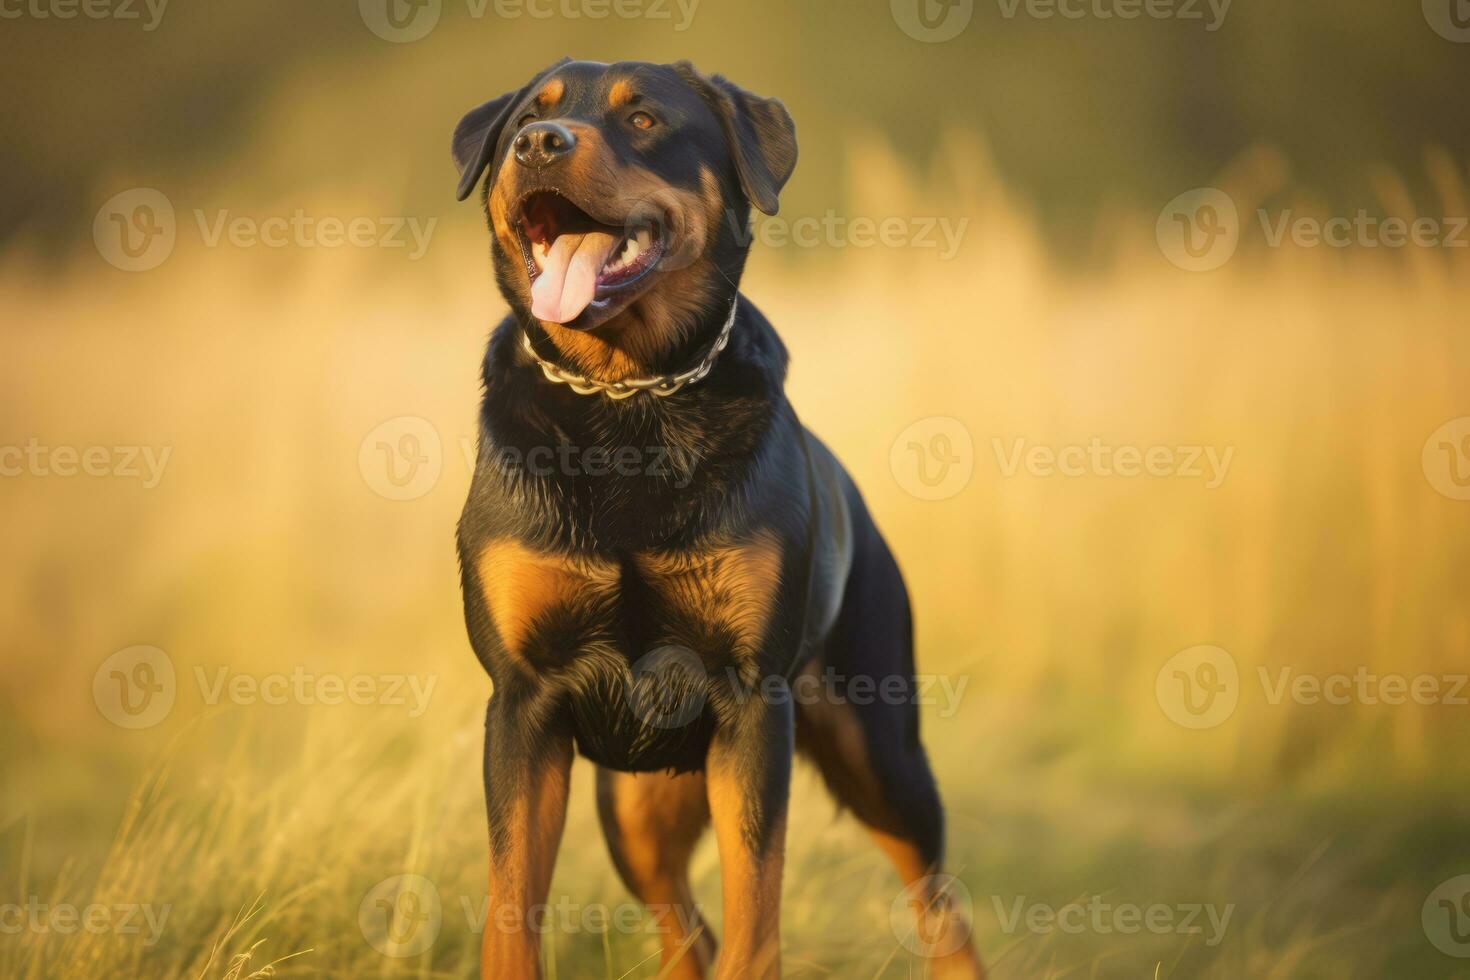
<point x="619" y="195"/>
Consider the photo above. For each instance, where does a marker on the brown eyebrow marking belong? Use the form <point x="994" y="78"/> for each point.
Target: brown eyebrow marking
<point x="621" y="93"/>
<point x="551" y="94"/>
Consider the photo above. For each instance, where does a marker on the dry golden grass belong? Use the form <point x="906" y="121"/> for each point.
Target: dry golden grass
<point x="261" y="828"/>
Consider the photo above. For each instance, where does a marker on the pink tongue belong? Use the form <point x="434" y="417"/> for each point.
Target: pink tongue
<point x="568" y="276"/>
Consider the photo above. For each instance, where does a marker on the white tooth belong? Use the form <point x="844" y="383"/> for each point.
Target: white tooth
<point x="633" y="249"/>
<point x="644" y="238"/>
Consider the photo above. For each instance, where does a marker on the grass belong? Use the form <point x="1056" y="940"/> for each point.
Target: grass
<point x="264" y="829"/>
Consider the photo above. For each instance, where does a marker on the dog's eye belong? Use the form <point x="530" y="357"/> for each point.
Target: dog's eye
<point x="528" y="118"/>
<point x="642" y="120"/>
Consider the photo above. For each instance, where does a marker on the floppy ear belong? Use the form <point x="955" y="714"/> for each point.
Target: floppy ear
<point x="479" y="131"/>
<point x="760" y="133"/>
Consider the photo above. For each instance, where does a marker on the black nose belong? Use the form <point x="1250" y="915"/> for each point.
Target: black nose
<point x="543" y="143"/>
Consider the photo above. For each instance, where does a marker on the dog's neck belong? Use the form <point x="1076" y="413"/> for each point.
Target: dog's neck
<point x="688" y="446"/>
<point x="660" y="385"/>
<point x="649" y="340"/>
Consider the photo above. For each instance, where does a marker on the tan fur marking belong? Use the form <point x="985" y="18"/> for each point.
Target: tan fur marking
<point x="520" y="876"/>
<point x="749" y="882"/>
<point x="938" y="925"/>
<point x="621" y="93"/>
<point x="521" y="584"/>
<point x="733" y="585"/>
<point x="549" y="96"/>
<point x="656" y="821"/>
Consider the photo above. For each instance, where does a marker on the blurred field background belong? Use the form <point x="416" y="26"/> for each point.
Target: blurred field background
<point x="263" y="829"/>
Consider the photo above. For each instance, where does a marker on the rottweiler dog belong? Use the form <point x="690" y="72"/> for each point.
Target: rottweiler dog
<point x="662" y="568"/>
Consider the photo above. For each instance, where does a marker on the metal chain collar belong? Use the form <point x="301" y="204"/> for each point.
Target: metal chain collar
<point x="661" y="385"/>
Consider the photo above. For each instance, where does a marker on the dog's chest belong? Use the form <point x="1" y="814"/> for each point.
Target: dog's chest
<point x="617" y="639"/>
<point x="550" y="609"/>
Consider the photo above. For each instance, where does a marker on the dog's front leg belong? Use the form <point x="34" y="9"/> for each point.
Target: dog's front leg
<point x="528" y="762"/>
<point x="749" y="778"/>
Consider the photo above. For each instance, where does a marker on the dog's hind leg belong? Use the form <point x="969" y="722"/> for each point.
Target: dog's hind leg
<point x="865" y="742"/>
<point x="652" y="822"/>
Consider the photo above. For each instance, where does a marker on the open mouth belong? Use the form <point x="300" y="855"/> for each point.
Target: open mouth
<point x="576" y="261"/>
